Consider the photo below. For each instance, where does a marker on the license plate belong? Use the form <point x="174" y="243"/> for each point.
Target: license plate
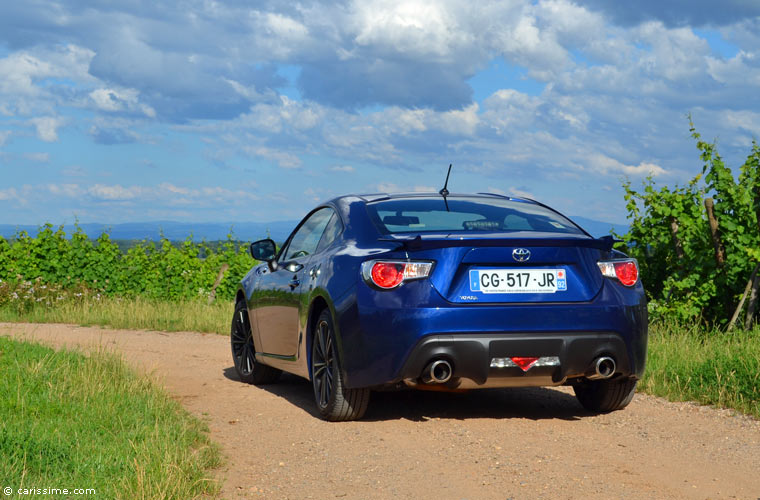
<point x="518" y="280"/>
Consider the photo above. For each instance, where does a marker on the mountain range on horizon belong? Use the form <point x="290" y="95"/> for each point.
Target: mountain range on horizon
<point x="243" y="231"/>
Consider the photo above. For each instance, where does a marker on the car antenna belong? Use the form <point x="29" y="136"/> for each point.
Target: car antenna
<point x="445" y="192"/>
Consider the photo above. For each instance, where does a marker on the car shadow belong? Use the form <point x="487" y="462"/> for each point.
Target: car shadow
<point x="534" y="403"/>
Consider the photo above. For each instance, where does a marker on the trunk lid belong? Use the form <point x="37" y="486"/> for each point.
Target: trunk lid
<point x="511" y="267"/>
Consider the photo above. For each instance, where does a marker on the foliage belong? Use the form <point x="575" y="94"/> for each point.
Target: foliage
<point x="195" y="315"/>
<point x="693" y="286"/>
<point x="693" y="363"/>
<point x="73" y="421"/>
<point x="159" y="270"/>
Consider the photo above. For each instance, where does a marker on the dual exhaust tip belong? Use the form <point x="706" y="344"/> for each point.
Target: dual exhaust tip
<point x="437" y="371"/>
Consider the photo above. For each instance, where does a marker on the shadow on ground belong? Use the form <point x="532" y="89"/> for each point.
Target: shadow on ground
<point x="534" y="403"/>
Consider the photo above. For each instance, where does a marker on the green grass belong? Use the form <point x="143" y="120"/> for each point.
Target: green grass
<point x="710" y="367"/>
<point x="129" y="313"/>
<point x="69" y="420"/>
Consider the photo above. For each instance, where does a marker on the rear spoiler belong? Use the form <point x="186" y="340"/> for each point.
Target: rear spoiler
<point x="605" y="243"/>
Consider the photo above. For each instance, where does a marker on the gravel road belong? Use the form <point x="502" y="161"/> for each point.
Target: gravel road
<point x="516" y="443"/>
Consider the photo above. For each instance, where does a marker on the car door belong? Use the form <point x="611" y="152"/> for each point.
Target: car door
<point x="279" y="291"/>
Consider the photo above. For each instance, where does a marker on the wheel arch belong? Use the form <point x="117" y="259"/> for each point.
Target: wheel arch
<point x="318" y="304"/>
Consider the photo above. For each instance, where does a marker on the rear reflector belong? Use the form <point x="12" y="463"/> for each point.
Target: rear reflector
<point x="626" y="271"/>
<point x="524" y="363"/>
<point x="387" y="274"/>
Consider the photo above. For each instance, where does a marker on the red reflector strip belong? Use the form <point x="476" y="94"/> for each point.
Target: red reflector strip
<point x="524" y="363"/>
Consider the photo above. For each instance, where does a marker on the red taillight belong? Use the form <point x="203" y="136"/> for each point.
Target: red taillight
<point x="627" y="272"/>
<point x="387" y="274"/>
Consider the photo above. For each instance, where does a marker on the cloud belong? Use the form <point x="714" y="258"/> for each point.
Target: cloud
<point x="47" y="127"/>
<point x="38" y="157"/>
<point x="677" y="12"/>
<point x="165" y="194"/>
<point x="342" y="168"/>
<point x="605" y="165"/>
<point x="8" y="194"/>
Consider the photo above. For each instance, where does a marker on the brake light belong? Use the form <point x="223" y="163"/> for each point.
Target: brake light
<point x="626" y="271"/>
<point x="387" y="274"/>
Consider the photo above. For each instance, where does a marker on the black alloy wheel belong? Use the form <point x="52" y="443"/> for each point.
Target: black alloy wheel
<point x="244" y="352"/>
<point x="334" y="401"/>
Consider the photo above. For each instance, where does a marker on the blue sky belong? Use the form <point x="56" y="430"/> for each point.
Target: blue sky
<point x="257" y="111"/>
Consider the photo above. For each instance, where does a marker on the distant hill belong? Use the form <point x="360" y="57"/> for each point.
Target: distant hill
<point x="243" y="231"/>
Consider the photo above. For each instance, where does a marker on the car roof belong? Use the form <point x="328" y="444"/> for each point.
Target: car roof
<point x="371" y="198"/>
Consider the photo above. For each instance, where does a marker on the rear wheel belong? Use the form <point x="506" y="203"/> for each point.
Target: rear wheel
<point x="603" y="396"/>
<point x="334" y="401"/>
<point x="244" y="353"/>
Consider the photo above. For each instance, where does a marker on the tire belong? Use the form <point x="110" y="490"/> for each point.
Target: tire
<point x="604" y="396"/>
<point x="248" y="369"/>
<point x="334" y="401"/>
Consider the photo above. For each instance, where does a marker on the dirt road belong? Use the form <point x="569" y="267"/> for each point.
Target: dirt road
<point x="520" y="444"/>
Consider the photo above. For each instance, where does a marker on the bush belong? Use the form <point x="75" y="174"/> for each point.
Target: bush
<point x="670" y="236"/>
<point x="155" y="270"/>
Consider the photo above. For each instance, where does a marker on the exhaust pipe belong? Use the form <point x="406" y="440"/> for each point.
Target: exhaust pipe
<point x="602" y="368"/>
<point x="437" y="372"/>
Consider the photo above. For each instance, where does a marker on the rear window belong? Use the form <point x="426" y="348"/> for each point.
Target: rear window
<point x="420" y="215"/>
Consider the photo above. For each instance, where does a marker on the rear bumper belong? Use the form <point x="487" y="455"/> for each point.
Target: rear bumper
<point x="385" y="337"/>
<point x="474" y="358"/>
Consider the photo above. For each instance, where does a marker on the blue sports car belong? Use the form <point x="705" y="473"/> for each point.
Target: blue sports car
<point x="444" y="292"/>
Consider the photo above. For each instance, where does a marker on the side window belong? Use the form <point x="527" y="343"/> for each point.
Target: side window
<point x="306" y="239"/>
<point x="332" y="231"/>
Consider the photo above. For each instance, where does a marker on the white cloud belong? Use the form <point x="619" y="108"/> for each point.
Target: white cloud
<point x="342" y="168"/>
<point x="606" y="165"/>
<point x="282" y="158"/>
<point x="47" y="127"/>
<point x="8" y="194"/>
<point x="38" y="157"/>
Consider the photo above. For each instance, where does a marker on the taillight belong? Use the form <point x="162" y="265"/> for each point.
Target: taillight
<point x="387" y="274"/>
<point x="626" y="271"/>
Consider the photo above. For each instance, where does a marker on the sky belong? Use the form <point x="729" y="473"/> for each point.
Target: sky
<point x="211" y="111"/>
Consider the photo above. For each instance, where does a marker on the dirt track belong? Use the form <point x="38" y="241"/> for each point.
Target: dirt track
<point x="518" y="443"/>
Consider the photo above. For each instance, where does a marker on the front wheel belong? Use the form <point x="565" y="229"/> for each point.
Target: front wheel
<point x="244" y="353"/>
<point x="334" y="401"/>
<point x="603" y="396"/>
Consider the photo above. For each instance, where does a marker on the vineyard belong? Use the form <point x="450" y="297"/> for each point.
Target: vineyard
<point x="698" y="246"/>
<point x="54" y="267"/>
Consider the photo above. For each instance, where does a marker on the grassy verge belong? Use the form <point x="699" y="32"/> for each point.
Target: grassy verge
<point x="710" y="367"/>
<point x="130" y="313"/>
<point x="73" y="421"/>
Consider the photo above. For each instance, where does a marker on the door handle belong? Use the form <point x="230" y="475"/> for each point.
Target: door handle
<point x="294" y="267"/>
<point x="294" y="283"/>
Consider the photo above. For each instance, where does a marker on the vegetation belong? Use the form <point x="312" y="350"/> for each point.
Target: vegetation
<point x="698" y="246"/>
<point x="153" y="270"/>
<point x="73" y="421"/>
<point x="182" y="315"/>
<point x="692" y="363"/>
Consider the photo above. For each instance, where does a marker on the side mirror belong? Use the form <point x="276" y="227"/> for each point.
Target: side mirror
<point x="264" y="250"/>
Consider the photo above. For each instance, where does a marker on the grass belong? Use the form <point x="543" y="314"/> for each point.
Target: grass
<point x="709" y="367"/>
<point x="130" y="313"/>
<point x="69" y="420"/>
